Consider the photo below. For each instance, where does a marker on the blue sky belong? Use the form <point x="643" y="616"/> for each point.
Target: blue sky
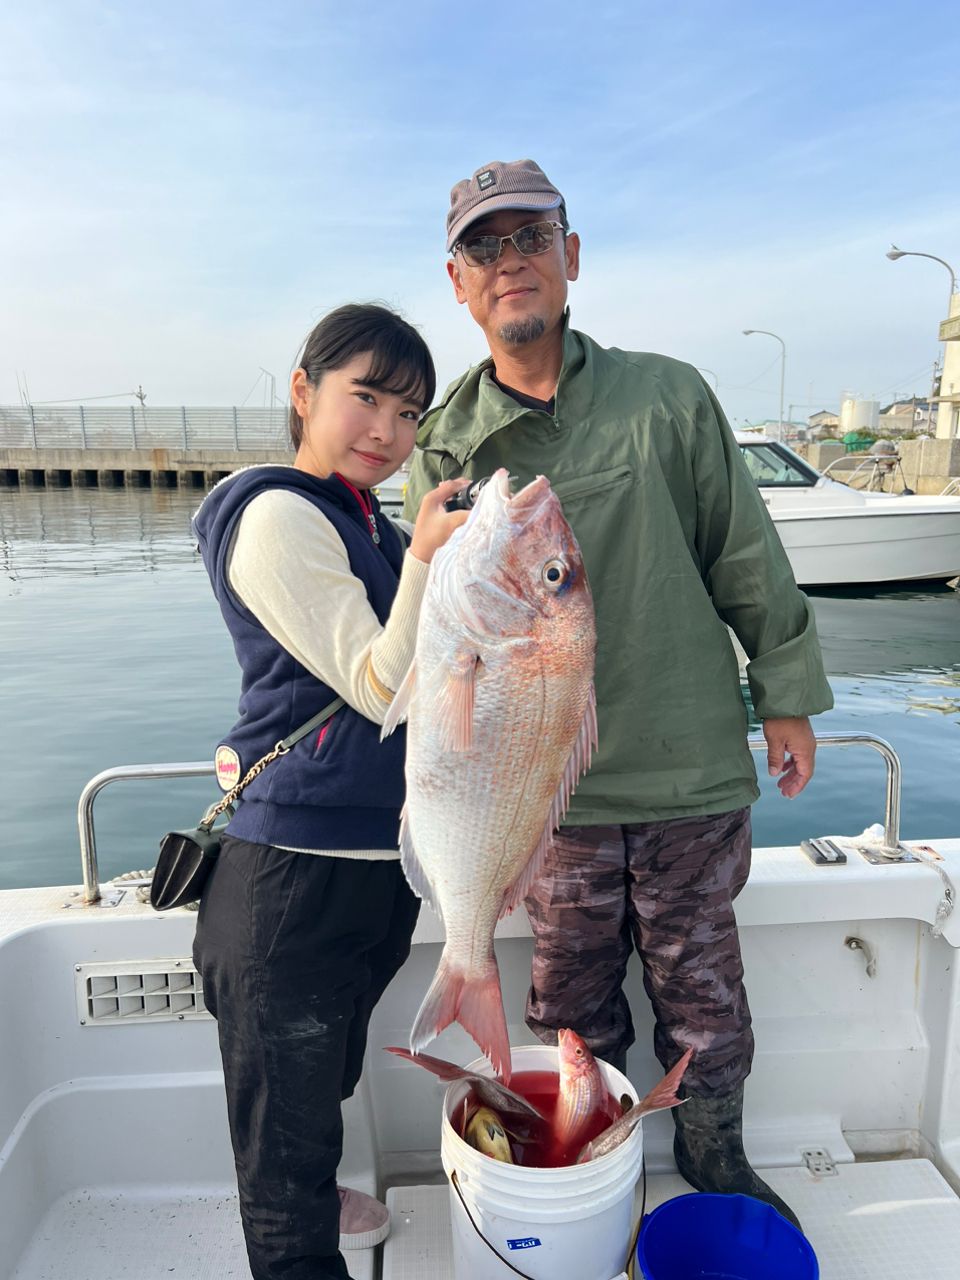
<point x="185" y="188"/>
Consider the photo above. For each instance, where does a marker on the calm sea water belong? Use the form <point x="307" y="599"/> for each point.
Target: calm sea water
<point x="112" y="651"/>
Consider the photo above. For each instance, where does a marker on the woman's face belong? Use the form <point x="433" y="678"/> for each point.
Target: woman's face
<point x="352" y="428"/>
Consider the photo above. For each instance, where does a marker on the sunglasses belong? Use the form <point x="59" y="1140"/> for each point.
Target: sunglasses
<point x="484" y="251"/>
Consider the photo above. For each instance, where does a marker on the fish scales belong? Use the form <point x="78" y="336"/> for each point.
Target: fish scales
<point x="582" y="1089"/>
<point x="495" y="796"/>
<point x="502" y="720"/>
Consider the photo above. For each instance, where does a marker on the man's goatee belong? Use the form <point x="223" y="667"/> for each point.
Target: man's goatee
<point x="517" y="332"/>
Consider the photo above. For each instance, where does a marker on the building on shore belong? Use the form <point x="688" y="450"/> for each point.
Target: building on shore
<point x="902" y="417"/>
<point x="823" y="420"/>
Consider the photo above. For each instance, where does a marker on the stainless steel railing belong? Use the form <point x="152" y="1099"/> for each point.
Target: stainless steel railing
<point x="123" y="773"/>
<point x="203" y="769"/>
<point x="891" y="819"/>
<point x="878" y="468"/>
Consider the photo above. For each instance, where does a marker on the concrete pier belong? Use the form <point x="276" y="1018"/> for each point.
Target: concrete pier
<point x="127" y="468"/>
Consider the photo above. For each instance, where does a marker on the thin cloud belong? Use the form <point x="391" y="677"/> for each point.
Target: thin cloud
<point x="188" y="188"/>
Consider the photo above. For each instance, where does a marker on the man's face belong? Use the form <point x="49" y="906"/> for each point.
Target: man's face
<point x="516" y="299"/>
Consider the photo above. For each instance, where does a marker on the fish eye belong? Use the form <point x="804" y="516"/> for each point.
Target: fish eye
<point x="579" y="1052"/>
<point x="554" y="574"/>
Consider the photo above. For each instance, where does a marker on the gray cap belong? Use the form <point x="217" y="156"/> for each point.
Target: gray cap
<point x="516" y="184"/>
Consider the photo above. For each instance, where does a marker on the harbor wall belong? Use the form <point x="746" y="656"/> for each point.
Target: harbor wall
<point x="928" y="465"/>
<point x="119" y="468"/>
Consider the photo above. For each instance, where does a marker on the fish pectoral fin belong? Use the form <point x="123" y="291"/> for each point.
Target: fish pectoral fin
<point x="400" y="706"/>
<point x="454" y="702"/>
<point x="577" y="764"/>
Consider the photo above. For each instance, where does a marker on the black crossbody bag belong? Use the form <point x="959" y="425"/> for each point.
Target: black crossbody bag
<point x="186" y="857"/>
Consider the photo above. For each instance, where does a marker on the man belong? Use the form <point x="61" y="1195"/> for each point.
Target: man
<point x="676" y="542"/>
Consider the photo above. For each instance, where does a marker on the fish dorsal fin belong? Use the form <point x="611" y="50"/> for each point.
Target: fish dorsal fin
<point x="400" y="706"/>
<point x="577" y="765"/>
<point x="416" y="876"/>
<point x="454" y="701"/>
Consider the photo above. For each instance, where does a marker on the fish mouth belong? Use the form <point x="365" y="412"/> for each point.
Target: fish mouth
<point x="519" y="508"/>
<point x="530" y="497"/>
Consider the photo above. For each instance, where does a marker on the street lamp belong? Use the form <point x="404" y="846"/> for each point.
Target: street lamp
<point x="893" y="253"/>
<point x="716" y="380"/>
<point x="783" y="370"/>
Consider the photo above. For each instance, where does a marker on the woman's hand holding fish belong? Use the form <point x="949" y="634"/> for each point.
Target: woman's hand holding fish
<point x="434" y="525"/>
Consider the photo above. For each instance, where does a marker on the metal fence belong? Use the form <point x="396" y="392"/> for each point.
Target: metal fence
<point x="140" y="427"/>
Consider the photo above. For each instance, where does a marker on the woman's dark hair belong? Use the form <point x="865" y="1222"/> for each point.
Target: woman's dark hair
<point x="400" y="360"/>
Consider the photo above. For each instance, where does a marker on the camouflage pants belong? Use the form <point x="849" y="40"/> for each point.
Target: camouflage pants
<point x="668" y="889"/>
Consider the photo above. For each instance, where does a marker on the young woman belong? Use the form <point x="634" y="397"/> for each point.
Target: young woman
<point x="307" y="916"/>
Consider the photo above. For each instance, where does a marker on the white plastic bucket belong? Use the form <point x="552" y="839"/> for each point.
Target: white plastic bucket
<point x="551" y="1224"/>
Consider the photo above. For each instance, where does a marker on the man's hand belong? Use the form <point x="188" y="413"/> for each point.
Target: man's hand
<point x="793" y="735"/>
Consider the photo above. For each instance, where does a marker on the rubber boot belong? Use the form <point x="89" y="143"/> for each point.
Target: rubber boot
<point x="708" y="1149"/>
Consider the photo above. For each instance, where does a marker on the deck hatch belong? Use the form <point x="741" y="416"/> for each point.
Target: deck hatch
<point x="139" y="991"/>
<point x="820" y="1162"/>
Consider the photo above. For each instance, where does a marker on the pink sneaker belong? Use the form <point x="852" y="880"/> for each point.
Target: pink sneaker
<point x="364" y="1221"/>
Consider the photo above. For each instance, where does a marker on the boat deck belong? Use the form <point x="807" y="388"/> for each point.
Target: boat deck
<point x="111" y="1234"/>
<point x="885" y="1220"/>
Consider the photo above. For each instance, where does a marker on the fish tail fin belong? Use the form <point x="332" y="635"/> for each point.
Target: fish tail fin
<point x="664" y="1094"/>
<point x="474" y="1002"/>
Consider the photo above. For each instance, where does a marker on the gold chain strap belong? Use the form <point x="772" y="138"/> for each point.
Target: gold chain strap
<point x="214" y="812"/>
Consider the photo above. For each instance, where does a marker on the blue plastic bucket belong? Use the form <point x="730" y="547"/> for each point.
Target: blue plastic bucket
<point x="723" y="1238"/>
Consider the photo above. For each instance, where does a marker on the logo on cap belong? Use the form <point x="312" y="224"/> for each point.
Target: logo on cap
<point x="486" y="179"/>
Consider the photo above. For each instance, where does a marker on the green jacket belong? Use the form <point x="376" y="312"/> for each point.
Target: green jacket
<point x="676" y="541"/>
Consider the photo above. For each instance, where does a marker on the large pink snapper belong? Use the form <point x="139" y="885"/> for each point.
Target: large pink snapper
<point x="502" y="722"/>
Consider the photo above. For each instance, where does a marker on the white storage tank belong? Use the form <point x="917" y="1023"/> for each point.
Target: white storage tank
<point x="859" y="415"/>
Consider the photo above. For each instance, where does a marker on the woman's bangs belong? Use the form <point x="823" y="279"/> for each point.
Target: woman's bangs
<point x="399" y="368"/>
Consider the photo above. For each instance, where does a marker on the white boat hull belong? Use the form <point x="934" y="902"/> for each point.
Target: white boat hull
<point x="871" y="546"/>
<point x="114" y="1154"/>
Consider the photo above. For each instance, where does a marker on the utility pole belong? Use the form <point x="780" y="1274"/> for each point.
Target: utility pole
<point x="933" y="394"/>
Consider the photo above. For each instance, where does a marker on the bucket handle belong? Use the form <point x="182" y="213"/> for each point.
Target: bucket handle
<point x="455" y="1182"/>
<point x="631" y="1267"/>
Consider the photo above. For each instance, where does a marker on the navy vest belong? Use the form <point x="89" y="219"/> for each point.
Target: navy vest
<point x="341" y="790"/>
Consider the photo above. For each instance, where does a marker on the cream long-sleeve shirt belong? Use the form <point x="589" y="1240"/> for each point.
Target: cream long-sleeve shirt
<point x="289" y="567"/>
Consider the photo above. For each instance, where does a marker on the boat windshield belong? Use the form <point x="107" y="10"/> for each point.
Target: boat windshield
<point x="773" y="465"/>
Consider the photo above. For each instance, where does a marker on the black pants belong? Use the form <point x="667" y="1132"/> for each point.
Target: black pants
<point x="295" y="950"/>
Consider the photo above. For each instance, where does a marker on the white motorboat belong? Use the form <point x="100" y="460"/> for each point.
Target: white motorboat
<point x="115" y="1159"/>
<point x="835" y="535"/>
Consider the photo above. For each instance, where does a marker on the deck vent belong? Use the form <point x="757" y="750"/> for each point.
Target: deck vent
<point x="139" y="991"/>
